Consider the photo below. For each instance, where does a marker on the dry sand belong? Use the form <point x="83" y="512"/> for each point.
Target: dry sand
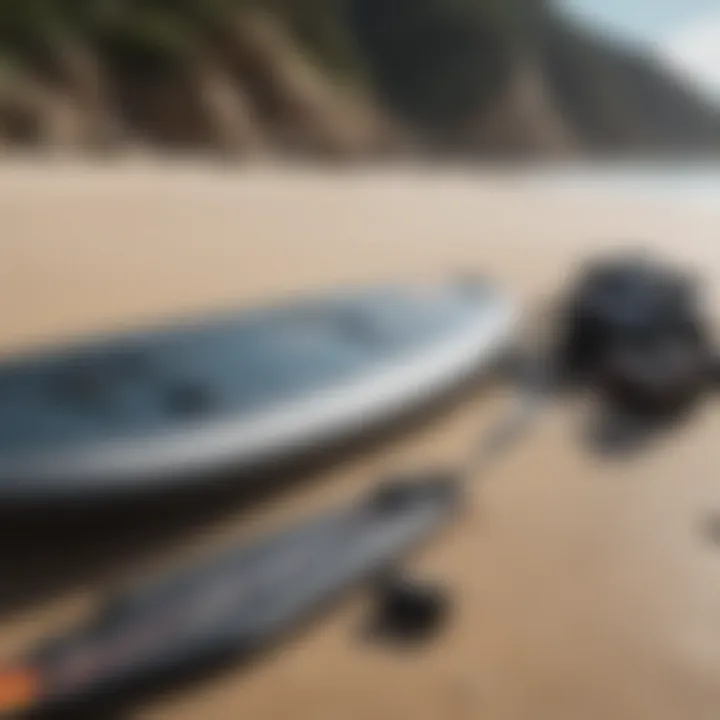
<point x="584" y="590"/>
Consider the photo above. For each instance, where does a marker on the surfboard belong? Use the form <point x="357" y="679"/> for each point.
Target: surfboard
<point x="168" y="405"/>
<point x="228" y="607"/>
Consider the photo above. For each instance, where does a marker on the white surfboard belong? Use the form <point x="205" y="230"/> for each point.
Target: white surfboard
<point x="235" y="390"/>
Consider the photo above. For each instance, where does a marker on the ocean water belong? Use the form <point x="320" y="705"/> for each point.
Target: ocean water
<point x="699" y="181"/>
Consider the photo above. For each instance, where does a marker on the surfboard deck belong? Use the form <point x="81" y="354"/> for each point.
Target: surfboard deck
<point x="168" y="405"/>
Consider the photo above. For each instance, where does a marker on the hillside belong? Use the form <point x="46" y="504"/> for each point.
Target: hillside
<point x="331" y="77"/>
<point x="620" y="99"/>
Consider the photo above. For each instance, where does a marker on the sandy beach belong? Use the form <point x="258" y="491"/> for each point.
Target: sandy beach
<point x="584" y="590"/>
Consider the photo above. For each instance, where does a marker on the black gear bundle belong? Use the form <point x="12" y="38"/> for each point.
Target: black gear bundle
<point x="634" y="329"/>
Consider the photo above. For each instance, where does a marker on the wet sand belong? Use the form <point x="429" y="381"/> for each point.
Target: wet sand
<point x="584" y="589"/>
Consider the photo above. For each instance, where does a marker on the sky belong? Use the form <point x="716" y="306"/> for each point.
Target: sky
<point x="686" y="33"/>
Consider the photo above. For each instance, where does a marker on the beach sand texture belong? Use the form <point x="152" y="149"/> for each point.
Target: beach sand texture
<point x="584" y="590"/>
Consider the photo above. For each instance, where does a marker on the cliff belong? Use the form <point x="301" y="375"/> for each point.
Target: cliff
<point x="333" y="77"/>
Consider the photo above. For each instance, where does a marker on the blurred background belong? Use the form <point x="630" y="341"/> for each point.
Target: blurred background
<point x="363" y="141"/>
<point x="362" y="78"/>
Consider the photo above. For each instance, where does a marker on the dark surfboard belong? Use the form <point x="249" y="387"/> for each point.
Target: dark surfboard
<point x="228" y="608"/>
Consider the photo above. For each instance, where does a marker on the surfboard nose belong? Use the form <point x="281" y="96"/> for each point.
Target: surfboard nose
<point x="20" y="689"/>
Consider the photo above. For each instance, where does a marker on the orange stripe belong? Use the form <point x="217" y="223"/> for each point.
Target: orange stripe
<point x="18" y="689"/>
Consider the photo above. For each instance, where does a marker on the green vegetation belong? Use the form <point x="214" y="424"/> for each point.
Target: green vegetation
<point x="237" y="75"/>
<point x="196" y="73"/>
